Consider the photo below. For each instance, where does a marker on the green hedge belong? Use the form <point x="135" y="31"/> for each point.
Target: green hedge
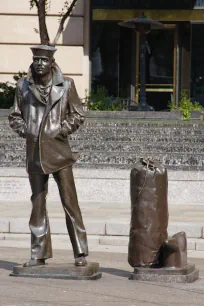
<point x="7" y="91"/>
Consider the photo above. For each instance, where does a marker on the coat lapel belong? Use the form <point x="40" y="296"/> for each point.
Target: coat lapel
<point x="35" y="92"/>
<point x="56" y="94"/>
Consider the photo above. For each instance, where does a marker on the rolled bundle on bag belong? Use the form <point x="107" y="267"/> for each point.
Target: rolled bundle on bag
<point x="149" y="212"/>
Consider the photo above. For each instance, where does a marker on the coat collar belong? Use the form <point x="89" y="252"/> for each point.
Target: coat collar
<point x="57" y="89"/>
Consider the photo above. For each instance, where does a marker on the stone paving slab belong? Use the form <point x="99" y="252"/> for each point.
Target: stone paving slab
<point x="113" y="289"/>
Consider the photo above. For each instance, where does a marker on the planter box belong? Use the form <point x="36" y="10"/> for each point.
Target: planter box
<point x="173" y="115"/>
<point x="4" y="112"/>
<point x="197" y="115"/>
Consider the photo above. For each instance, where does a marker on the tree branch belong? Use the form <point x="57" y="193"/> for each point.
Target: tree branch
<point x="44" y="37"/>
<point x="61" y="26"/>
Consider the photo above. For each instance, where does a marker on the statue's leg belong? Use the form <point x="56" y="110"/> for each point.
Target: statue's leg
<point x="41" y="247"/>
<point x="65" y="181"/>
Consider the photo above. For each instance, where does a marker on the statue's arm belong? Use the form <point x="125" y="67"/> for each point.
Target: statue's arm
<point x="75" y="114"/>
<point x="15" y="118"/>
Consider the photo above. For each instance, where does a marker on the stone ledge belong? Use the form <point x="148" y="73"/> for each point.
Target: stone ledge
<point x="173" y="115"/>
<point x="119" y="174"/>
<point x="103" y="186"/>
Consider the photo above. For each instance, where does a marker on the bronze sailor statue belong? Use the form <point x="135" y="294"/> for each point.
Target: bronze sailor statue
<point x="46" y="110"/>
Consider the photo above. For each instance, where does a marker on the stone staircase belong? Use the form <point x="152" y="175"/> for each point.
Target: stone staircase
<point x="107" y="225"/>
<point x="115" y="142"/>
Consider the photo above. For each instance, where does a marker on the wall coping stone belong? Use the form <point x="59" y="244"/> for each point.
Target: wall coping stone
<point x="118" y="174"/>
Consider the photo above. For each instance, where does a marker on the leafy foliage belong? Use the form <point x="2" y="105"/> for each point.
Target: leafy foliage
<point x="65" y="8"/>
<point x="7" y="91"/>
<point x="32" y="3"/>
<point x="35" y="3"/>
<point x="186" y="106"/>
<point x="99" y="100"/>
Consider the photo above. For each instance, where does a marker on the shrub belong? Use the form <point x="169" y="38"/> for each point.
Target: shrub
<point x="99" y="100"/>
<point x="186" y="106"/>
<point x="7" y="91"/>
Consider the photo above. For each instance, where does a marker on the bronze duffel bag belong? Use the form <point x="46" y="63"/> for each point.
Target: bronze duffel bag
<point x="149" y="219"/>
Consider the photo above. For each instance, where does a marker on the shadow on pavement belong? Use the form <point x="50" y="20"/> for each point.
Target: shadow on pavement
<point x="117" y="272"/>
<point x="7" y="265"/>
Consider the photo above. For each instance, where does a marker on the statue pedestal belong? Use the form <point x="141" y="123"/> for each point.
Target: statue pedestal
<point x="59" y="271"/>
<point x="176" y="275"/>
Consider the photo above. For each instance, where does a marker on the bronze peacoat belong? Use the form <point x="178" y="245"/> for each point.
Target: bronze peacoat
<point x="46" y="125"/>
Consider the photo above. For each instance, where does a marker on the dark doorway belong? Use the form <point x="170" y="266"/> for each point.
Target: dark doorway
<point x="159" y="69"/>
<point x="197" y="63"/>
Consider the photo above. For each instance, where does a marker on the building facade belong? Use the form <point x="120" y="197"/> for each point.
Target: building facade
<point x="174" y="61"/>
<point x="17" y="34"/>
<point x="95" y="51"/>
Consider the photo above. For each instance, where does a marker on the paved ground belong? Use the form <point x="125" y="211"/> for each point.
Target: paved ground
<point x="114" y="289"/>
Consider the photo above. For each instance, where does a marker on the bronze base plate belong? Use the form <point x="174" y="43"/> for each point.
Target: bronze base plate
<point x="187" y="274"/>
<point x="60" y="271"/>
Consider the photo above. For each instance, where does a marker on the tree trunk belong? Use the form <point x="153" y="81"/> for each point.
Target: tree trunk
<point x="44" y="37"/>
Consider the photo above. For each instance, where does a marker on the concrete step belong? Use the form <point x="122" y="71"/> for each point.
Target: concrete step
<point x="135" y="137"/>
<point x="124" y="160"/>
<point x="193" y="244"/>
<point x="120" y="134"/>
<point x="131" y="131"/>
<point x="99" y="227"/>
<point x="117" y="146"/>
<point x="192" y="229"/>
<point x="63" y="241"/>
<point x="120" y="143"/>
<point x="117" y="160"/>
<point x="56" y="239"/>
<point x="123" y="125"/>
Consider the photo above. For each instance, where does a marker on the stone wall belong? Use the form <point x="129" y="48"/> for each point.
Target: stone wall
<point x="117" y="143"/>
<point x="113" y="143"/>
<point x="103" y="185"/>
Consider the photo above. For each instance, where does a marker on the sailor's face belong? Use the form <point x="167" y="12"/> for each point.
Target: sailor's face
<point x="42" y="64"/>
